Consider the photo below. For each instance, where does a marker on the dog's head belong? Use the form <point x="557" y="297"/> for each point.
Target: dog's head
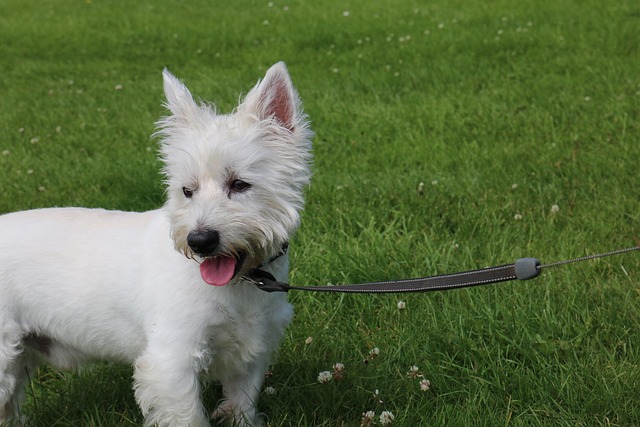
<point x="235" y="181"/>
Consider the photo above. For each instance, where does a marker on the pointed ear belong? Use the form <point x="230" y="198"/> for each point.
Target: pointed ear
<point x="179" y="100"/>
<point x="275" y="98"/>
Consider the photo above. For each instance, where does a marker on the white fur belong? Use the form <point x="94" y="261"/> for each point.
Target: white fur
<point x="79" y="284"/>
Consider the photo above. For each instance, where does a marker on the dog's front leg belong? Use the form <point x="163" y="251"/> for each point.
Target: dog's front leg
<point x="167" y="390"/>
<point x="241" y="397"/>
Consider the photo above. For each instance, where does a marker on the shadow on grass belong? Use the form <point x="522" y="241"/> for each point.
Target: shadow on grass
<point x="100" y="395"/>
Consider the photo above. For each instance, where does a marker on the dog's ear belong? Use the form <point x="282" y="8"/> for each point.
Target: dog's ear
<point x="275" y="98"/>
<point x="179" y="100"/>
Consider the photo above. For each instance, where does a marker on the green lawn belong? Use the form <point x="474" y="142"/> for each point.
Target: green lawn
<point x="447" y="131"/>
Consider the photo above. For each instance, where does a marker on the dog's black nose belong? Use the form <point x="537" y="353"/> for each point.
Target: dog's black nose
<point x="204" y="242"/>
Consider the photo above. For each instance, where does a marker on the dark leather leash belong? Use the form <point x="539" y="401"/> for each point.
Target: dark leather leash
<point x="522" y="269"/>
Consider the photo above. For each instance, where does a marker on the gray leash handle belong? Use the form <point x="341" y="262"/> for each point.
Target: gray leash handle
<point x="527" y="268"/>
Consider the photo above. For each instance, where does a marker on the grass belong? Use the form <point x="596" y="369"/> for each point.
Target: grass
<point x="445" y="134"/>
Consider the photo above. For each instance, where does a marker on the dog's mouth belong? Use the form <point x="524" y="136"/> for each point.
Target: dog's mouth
<point x="220" y="270"/>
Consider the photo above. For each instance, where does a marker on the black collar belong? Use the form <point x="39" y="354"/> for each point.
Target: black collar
<point x="257" y="274"/>
<point x="283" y="251"/>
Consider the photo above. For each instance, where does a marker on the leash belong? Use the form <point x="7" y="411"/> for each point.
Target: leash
<point x="522" y="269"/>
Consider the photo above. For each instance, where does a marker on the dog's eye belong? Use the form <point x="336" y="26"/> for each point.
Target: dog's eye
<point x="238" y="186"/>
<point x="188" y="193"/>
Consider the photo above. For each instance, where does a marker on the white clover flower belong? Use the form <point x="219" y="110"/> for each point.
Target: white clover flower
<point x="368" y="419"/>
<point x="325" y="377"/>
<point x="425" y="385"/>
<point x="402" y="305"/>
<point x="308" y="341"/>
<point x="270" y="391"/>
<point x="414" y="372"/>
<point x="555" y="209"/>
<point x="338" y="371"/>
<point x="373" y="353"/>
<point x="386" y="418"/>
<point x="517" y="217"/>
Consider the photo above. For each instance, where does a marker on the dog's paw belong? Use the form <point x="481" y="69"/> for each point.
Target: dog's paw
<point x="225" y="415"/>
<point x="223" y="412"/>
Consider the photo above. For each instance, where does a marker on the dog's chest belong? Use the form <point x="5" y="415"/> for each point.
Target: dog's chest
<point x="243" y="333"/>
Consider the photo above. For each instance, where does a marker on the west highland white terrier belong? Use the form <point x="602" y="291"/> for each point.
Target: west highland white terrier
<point x="165" y="290"/>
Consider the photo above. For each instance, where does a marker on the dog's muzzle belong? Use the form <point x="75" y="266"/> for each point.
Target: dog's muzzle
<point x="217" y="267"/>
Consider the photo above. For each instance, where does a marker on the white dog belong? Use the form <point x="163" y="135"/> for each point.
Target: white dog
<point x="165" y="289"/>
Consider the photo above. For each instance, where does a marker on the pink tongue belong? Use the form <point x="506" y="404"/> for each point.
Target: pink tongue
<point x="218" y="271"/>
